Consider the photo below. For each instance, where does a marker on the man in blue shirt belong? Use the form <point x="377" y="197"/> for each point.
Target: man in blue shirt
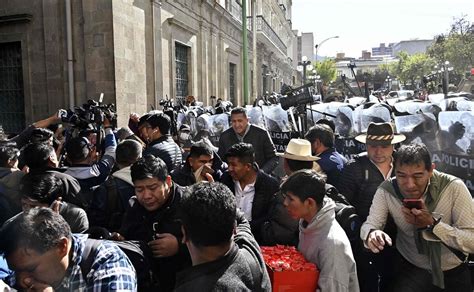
<point x="46" y="256"/>
<point x="331" y="162"/>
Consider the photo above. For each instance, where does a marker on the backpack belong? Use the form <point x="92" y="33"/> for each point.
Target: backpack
<point x="109" y="204"/>
<point x="137" y="252"/>
<point x="346" y="214"/>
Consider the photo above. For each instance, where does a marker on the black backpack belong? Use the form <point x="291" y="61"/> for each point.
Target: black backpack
<point x="346" y="214"/>
<point x="138" y="253"/>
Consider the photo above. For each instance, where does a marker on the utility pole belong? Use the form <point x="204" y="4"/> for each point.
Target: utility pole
<point x="254" y="49"/>
<point x="245" y="52"/>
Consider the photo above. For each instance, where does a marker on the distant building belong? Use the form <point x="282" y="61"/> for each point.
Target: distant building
<point x="306" y="46"/>
<point x="383" y="50"/>
<point x="362" y="65"/>
<point x="412" y="46"/>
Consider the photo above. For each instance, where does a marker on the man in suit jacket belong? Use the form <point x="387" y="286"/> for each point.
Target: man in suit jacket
<point x="242" y="131"/>
<point x="252" y="187"/>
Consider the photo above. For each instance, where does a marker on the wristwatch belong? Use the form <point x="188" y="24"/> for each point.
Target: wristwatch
<point x="436" y="219"/>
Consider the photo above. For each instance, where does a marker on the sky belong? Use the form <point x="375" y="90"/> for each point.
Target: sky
<point x="363" y="24"/>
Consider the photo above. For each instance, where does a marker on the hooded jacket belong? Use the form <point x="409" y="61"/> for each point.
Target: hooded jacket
<point x="323" y="242"/>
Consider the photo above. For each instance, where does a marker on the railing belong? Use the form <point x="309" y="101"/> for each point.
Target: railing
<point x="267" y="30"/>
<point x="236" y="10"/>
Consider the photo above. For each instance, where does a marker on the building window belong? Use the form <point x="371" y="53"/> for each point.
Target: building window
<point x="12" y="111"/>
<point x="181" y="55"/>
<point x="232" y="69"/>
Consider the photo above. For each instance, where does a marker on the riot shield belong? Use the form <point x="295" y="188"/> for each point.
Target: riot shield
<point x="377" y="113"/>
<point x="456" y="156"/>
<point x="276" y="119"/>
<point x="419" y="128"/>
<point x="255" y="115"/>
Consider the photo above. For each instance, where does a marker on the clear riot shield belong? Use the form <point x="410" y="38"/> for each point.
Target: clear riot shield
<point x="276" y="119"/>
<point x="419" y="128"/>
<point x="255" y="115"/>
<point x="345" y="121"/>
<point x="217" y="125"/>
<point x="416" y="107"/>
<point x="376" y="113"/>
<point x="457" y="153"/>
<point x="180" y="120"/>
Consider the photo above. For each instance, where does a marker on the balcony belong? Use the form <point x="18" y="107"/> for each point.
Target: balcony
<point x="268" y="32"/>
<point x="235" y="10"/>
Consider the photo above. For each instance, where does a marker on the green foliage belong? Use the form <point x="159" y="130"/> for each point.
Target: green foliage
<point x="457" y="47"/>
<point x="326" y="70"/>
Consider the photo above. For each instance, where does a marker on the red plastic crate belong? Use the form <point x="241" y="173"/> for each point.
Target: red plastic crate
<point x="289" y="270"/>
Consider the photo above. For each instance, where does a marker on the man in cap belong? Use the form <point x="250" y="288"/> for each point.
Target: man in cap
<point x="358" y="183"/>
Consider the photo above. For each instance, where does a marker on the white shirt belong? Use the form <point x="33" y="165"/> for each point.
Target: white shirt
<point x="245" y="198"/>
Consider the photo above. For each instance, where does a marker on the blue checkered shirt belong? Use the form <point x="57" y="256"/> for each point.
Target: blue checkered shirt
<point x="111" y="269"/>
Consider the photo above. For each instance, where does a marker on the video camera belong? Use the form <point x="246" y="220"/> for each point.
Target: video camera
<point x="295" y="96"/>
<point x="91" y="113"/>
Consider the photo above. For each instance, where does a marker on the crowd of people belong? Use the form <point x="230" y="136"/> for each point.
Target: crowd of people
<point x="134" y="211"/>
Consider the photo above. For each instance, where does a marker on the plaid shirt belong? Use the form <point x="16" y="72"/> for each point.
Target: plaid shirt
<point x="111" y="269"/>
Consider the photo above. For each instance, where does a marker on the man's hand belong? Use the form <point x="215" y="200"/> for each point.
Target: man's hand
<point x="377" y="240"/>
<point x="107" y="123"/>
<point x="209" y="177"/>
<point x="134" y="117"/>
<point x="31" y="285"/>
<point x="418" y="217"/>
<point x="165" y="245"/>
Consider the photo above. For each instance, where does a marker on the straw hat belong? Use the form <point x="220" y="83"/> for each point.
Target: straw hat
<point x="298" y="149"/>
<point x="380" y="134"/>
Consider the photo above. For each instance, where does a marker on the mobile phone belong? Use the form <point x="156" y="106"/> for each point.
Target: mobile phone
<point x="207" y="169"/>
<point x="412" y="203"/>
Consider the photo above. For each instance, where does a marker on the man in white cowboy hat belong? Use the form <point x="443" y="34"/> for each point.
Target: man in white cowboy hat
<point x="280" y="228"/>
<point x="358" y="183"/>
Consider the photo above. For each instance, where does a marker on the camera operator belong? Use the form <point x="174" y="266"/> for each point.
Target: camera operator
<point x="23" y="138"/>
<point x="81" y="154"/>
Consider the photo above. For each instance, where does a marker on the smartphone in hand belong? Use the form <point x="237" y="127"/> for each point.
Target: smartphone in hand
<point x="413" y="203"/>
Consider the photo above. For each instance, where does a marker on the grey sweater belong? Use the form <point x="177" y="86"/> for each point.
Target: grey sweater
<point x="324" y="242"/>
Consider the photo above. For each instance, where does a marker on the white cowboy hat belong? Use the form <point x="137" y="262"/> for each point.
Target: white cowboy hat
<point x="298" y="149"/>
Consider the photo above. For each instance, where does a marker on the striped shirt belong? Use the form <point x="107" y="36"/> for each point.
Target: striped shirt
<point x="111" y="269"/>
<point x="456" y="228"/>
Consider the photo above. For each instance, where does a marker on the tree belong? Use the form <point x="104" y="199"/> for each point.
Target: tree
<point x="456" y="46"/>
<point x="409" y="70"/>
<point x="326" y="70"/>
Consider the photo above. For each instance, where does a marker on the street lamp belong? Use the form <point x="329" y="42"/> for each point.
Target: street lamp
<point x="388" y="80"/>
<point x="304" y="65"/>
<point x="319" y="45"/>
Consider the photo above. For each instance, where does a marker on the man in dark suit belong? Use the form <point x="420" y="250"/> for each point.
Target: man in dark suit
<point x="242" y="131"/>
<point x="252" y="187"/>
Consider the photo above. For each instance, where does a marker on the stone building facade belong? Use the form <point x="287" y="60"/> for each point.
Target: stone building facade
<point x="136" y="52"/>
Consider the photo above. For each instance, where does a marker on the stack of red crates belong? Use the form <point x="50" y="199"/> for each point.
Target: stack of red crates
<point x="289" y="270"/>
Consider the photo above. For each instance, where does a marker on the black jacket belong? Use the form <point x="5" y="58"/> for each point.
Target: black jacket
<point x="71" y="186"/>
<point x="265" y="152"/>
<point x="241" y="269"/>
<point x="138" y="225"/>
<point x="358" y="183"/>
<point x="265" y="187"/>
<point x="166" y="149"/>
<point x="184" y="176"/>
